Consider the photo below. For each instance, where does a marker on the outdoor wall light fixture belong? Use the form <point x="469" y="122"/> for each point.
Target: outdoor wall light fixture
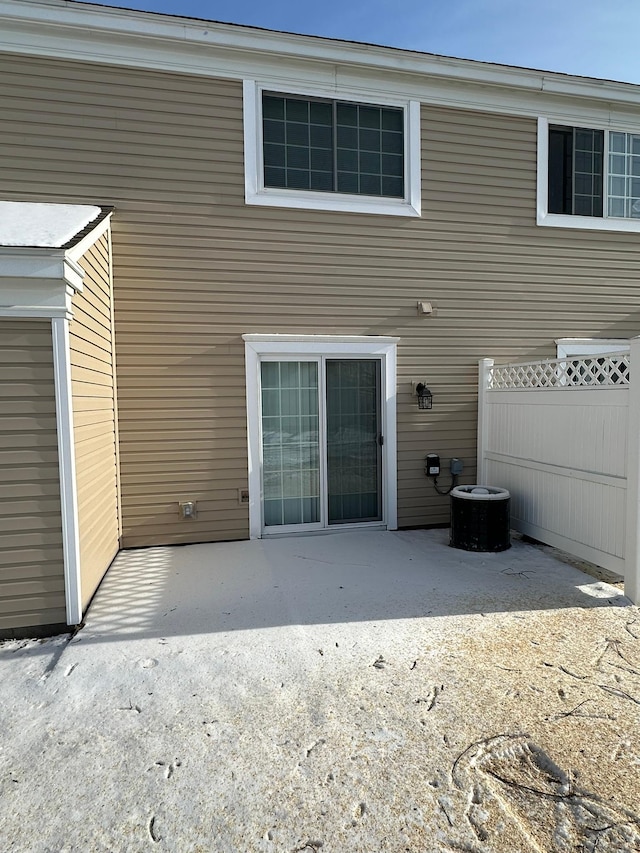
<point x="425" y="397"/>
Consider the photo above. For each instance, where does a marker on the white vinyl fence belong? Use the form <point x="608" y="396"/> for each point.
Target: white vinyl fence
<point x="563" y="436"/>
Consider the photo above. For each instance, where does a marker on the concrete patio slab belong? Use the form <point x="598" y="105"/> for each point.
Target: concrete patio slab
<point x="365" y="691"/>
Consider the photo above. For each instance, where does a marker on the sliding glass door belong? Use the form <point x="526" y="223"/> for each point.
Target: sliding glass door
<point x="290" y="442"/>
<point x="321" y="442"/>
<point x="354" y="481"/>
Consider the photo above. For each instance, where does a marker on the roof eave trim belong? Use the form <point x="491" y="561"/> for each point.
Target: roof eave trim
<point x="90" y="235"/>
<point x="50" y="29"/>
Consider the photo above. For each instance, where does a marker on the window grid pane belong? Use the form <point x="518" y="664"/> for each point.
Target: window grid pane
<point x="370" y="155"/>
<point x="588" y="146"/>
<point x="624" y="172"/>
<point x="333" y="146"/>
<point x="298" y="148"/>
<point x="290" y="442"/>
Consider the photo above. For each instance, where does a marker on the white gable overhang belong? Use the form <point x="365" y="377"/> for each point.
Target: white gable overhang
<point x="40" y="281"/>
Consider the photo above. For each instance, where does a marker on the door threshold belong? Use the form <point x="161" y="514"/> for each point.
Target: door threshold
<point x="338" y="528"/>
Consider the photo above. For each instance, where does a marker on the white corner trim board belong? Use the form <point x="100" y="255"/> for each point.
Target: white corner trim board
<point x="257" y="193"/>
<point x="67" y="469"/>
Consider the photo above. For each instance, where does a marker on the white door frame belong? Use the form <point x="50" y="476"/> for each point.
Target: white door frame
<point x="331" y="346"/>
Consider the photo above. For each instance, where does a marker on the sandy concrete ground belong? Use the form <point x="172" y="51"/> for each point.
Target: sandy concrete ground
<point x="349" y="694"/>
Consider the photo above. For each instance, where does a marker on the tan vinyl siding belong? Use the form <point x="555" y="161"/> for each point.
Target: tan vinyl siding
<point x="31" y="560"/>
<point x="94" y="407"/>
<point x="195" y="268"/>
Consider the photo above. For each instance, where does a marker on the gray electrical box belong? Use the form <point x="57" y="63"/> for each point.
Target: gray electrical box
<point x="187" y="509"/>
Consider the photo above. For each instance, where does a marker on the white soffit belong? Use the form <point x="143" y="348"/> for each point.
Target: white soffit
<point x="68" y="30"/>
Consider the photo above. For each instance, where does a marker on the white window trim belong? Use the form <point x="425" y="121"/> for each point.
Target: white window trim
<point x="561" y="220"/>
<point x="257" y="193"/>
<point x="332" y="346"/>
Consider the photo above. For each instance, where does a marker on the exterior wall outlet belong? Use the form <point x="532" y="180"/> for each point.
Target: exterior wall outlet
<point x="243" y="496"/>
<point x="188" y="509"/>
<point x="456" y="466"/>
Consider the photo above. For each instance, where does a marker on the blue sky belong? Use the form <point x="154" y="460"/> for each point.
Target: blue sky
<point x="596" y="38"/>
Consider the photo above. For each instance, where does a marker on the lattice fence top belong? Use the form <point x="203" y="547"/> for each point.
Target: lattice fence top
<point x="587" y="371"/>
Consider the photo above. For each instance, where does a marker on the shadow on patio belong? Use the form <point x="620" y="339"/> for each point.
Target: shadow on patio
<point x="349" y="577"/>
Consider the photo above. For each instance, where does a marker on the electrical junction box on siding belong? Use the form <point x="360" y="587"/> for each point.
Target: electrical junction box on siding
<point x="432" y="465"/>
<point x="188" y="509"/>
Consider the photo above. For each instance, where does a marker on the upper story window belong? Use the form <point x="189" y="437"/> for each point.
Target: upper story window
<point x="329" y="146"/>
<point x="331" y="154"/>
<point x="588" y="177"/>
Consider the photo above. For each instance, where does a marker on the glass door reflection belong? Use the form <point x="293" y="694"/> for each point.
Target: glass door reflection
<point x="290" y="442"/>
<point x="354" y="453"/>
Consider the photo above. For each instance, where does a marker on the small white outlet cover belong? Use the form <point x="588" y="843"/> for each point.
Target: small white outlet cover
<point x="187" y="509"/>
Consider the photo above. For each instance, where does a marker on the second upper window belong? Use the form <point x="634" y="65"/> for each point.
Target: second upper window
<point x="332" y="146"/>
<point x="594" y="172"/>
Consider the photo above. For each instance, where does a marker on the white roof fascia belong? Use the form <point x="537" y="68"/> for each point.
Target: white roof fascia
<point x="47" y="265"/>
<point x="25" y="297"/>
<point x="76" y="252"/>
<point x="38" y="282"/>
<point x="143" y="39"/>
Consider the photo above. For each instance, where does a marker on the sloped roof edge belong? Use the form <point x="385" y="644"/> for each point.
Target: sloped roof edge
<point x="113" y="35"/>
<point x="38" y="225"/>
